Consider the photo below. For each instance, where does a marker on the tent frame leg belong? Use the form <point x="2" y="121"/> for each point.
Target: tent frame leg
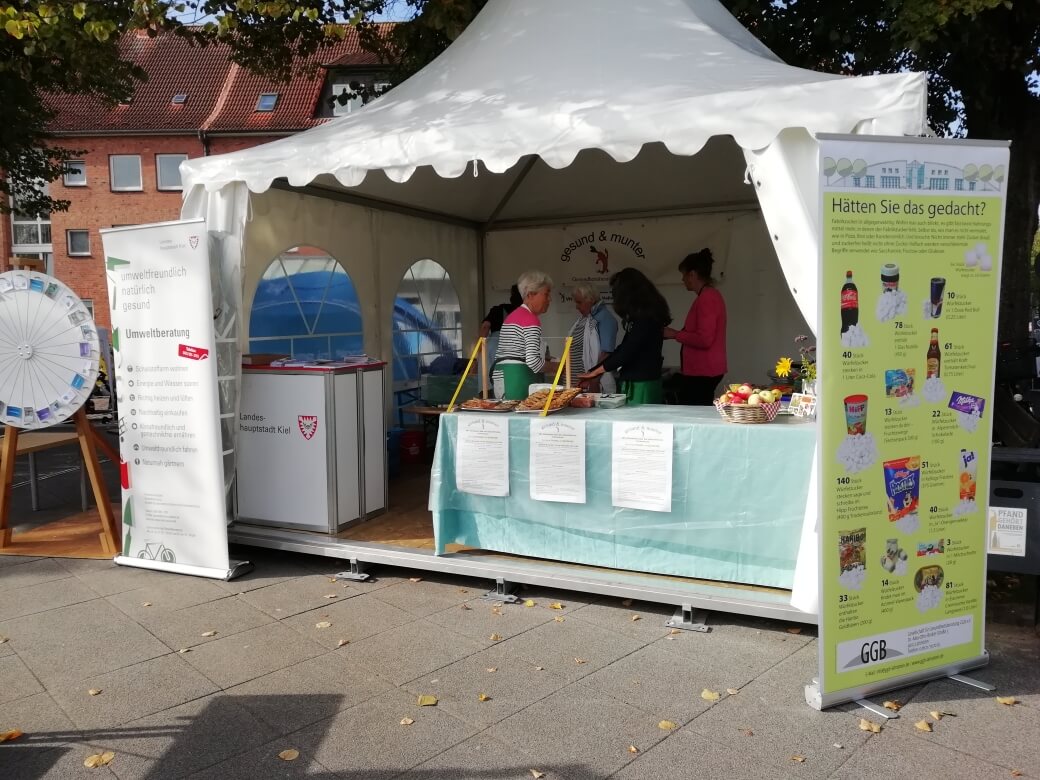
<point x="504" y="591"/>
<point x="356" y="573"/>
<point x="686" y="618"/>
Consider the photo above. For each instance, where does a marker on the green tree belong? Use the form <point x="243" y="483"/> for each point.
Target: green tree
<point x="50" y="49"/>
<point x="981" y="57"/>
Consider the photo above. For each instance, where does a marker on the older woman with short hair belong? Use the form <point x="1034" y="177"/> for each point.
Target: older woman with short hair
<point x="520" y="356"/>
<point x="593" y="336"/>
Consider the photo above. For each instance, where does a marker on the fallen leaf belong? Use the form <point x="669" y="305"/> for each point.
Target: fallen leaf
<point x="895" y="706"/>
<point x="798" y="759"/>
<point x="94" y="691"/>
<point x="323" y="624"/>
<point x="463" y="590"/>
<point x="674" y="631"/>
<point x="146" y="604"/>
<point x="732" y="691"/>
<point x="559" y="618"/>
<point x="866" y="725"/>
<point x="1007" y="701"/>
<point x="667" y="725"/>
<point x="710" y="695"/>
<point x="3" y="639"/>
<point x="839" y="746"/>
<point x="580" y="661"/>
<point x="332" y="596"/>
<point x="748" y="733"/>
<point x="492" y="669"/>
<point x="626" y="602"/>
<point x="497" y="610"/>
<point x="465" y="606"/>
<point x="333" y="579"/>
<point x="633" y="749"/>
<point x="184" y="650"/>
<point x="923" y="725"/>
<point x="939" y="714"/>
<point x="556" y="605"/>
<point x="539" y="668"/>
<point x="415" y="579"/>
<point x="209" y="633"/>
<point x="342" y="642"/>
<point x="636" y="617"/>
<point x="483" y="697"/>
<point x="530" y="603"/>
<point x="289" y="755"/>
<point x="99" y="759"/>
<point x="9" y="736"/>
<point x="794" y="630"/>
<point x="536" y="774"/>
<point x="427" y="701"/>
<point x="1016" y="772"/>
<point x="407" y="721"/>
<point x="495" y="638"/>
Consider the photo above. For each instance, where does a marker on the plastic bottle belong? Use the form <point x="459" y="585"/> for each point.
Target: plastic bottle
<point x="849" y="303"/>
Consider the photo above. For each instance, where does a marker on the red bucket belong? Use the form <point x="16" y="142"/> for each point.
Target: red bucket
<point x="413" y="446"/>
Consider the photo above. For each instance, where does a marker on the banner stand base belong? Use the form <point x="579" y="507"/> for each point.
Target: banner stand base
<point x="236" y="568"/>
<point x="818" y="701"/>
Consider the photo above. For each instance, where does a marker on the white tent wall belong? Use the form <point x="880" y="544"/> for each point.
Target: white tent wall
<point x="763" y="318"/>
<point x="374" y="247"/>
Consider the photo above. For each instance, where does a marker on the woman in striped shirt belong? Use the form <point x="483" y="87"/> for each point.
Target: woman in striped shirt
<point x="520" y="356"/>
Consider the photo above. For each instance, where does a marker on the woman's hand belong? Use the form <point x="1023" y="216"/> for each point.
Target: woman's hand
<point x="485" y="329"/>
<point x="592" y="374"/>
<point x="669" y="333"/>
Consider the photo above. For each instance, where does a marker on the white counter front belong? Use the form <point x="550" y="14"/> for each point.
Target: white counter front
<point x="312" y="446"/>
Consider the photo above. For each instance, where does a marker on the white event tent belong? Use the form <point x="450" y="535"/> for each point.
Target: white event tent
<point x="555" y="113"/>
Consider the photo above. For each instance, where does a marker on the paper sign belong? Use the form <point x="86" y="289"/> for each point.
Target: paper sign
<point x="482" y="456"/>
<point x="558" y="460"/>
<point x="641" y="466"/>
<point x="1007" y="531"/>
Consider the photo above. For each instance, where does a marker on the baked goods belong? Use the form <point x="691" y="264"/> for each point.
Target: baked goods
<point x="488" y="405"/>
<point x="536" y="401"/>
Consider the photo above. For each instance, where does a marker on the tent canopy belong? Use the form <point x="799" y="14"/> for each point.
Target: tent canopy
<point x="542" y="98"/>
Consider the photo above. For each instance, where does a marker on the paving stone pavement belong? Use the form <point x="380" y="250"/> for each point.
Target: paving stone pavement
<point x="293" y="660"/>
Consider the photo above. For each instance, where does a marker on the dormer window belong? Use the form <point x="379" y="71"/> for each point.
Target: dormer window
<point x="179" y="99"/>
<point x="267" y="101"/>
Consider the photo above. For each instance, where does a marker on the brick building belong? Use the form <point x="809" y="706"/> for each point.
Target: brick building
<point x="195" y="102"/>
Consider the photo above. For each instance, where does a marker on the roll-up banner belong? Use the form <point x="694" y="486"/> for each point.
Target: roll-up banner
<point x="171" y="469"/>
<point x="912" y="231"/>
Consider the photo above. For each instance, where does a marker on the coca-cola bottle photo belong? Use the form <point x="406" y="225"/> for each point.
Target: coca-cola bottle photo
<point x="849" y="303"/>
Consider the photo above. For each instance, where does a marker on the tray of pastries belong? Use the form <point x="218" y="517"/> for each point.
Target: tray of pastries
<point x="487" y="405"/>
<point x="536" y="401"/>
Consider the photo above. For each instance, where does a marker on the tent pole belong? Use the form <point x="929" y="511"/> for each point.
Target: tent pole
<point x="677" y="211"/>
<point x="511" y="191"/>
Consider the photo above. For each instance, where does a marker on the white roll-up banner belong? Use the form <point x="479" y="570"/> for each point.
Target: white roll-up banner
<point x="171" y="470"/>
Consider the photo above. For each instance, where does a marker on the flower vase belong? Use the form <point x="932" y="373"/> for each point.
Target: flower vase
<point x="809" y="387"/>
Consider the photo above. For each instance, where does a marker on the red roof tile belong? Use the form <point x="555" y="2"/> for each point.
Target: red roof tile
<point x="221" y="96"/>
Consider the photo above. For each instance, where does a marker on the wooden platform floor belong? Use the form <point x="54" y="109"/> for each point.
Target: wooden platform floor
<point x="75" y="536"/>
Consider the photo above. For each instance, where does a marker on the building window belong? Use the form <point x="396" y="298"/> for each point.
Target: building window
<point x="75" y="174"/>
<point x="353" y="100"/>
<point x="125" y="170"/>
<point x="89" y="303"/>
<point x="168" y="170"/>
<point x="267" y="101"/>
<point x="179" y="99"/>
<point x="958" y="184"/>
<point x="869" y="181"/>
<point x="79" y="242"/>
<point x="889" y="182"/>
<point x="30" y="235"/>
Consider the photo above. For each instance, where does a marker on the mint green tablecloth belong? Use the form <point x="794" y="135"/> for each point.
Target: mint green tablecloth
<point x="738" y="500"/>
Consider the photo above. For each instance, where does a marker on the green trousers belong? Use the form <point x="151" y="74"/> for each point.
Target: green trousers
<point x="517" y="377"/>
<point x="648" y="392"/>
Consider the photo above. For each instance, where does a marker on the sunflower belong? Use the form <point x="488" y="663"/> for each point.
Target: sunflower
<point x="783" y="367"/>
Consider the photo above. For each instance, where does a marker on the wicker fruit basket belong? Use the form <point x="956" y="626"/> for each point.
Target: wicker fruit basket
<point x="748" y="414"/>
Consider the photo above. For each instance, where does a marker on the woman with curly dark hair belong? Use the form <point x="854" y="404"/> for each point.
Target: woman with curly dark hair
<point x="637" y="359"/>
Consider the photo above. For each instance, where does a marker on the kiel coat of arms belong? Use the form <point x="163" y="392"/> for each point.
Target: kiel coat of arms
<point x="308" y="425"/>
<point x="194" y="241"/>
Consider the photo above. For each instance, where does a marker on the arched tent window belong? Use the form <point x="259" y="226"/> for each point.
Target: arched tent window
<point x="306" y="306"/>
<point x="427" y="327"/>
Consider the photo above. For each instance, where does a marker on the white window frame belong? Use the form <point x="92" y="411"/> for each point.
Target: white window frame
<point x="83" y="172"/>
<point x="339" y="109"/>
<point x="40" y="247"/>
<point x="112" y="176"/>
<point x="158" y="177"/>
<point x="68" y="242"/>
<point x="259" y="101"/>
<point x="89" y="303"/>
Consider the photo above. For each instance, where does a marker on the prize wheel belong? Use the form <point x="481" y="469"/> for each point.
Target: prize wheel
<point x="48" y="351"/>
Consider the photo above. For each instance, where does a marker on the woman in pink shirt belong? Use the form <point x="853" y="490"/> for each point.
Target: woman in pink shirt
<point x="703" y="335"/>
